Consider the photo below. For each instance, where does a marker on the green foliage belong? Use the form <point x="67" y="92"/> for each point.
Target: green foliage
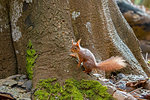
<point x="148" y="61"/>
<point x="43" y="94"/>
<point x="49" y="89"/>
<point x="30" y="59"/>
<point x="138" y="2"/>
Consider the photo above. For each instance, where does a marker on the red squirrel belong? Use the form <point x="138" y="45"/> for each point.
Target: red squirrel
<point x="89" y="62"/>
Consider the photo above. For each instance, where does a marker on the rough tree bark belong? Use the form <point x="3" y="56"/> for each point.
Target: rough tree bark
<point x="127" y="35"/>
<point x="7" y="53"/>
<point x="107" y="33"/>
<point x="48" y="25"/>
<point x="18" y="35"/>
<point x="51" y="24"/>
<point x="92" y="21"/>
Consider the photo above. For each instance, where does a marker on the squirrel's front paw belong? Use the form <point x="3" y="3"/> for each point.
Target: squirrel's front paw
<point x="72" y="55"/>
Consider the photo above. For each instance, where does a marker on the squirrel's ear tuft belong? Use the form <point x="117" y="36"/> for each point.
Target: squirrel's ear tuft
<point x="78" y="42"/>
<point x="72" y="41"/>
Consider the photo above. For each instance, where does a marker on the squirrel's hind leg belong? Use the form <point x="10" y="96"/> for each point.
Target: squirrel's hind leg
<point x="87" y="70"/>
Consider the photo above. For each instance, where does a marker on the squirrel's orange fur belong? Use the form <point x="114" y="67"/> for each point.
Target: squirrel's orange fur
<point x="89" y="62"/>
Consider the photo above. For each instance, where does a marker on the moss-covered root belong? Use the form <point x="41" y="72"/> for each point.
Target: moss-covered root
<point x="49" y="89"/>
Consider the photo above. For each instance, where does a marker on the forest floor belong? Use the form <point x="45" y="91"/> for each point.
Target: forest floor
<point x="15" y="87"/>
<point x="122" y="87"/>
<point x="127" y="87"/>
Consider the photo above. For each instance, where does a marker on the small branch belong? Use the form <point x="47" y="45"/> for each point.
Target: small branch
<point x="135" y="90"/>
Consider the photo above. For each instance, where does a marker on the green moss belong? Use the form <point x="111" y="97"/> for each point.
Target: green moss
<point x="30" y="59"/>
<point x="49" y="89"/>
<point x="148" y="62"/>
<point x="71" y="91"/>
<point x="94" y="90"/>
<point x="43" y="94"/>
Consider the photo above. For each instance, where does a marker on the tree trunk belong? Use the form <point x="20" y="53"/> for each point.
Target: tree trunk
<point x="47" y="24"/>
<point x="7" y="53"/>
<point x="128" y="36"/>
<point x="95" y="24"/>
<point x="18" y="34"/>
<point x="146" y="3"/>
<point x="108" y="34"/>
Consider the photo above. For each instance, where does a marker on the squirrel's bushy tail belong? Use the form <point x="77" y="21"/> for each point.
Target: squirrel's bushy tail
<point x="112" y="64"/>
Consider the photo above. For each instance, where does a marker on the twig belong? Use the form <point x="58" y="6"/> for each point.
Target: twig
<point x="71" y="97"/>
<point x="136" y="90"/>
<point x="49" y="96"/>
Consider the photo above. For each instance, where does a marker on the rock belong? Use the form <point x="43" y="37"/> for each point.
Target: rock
<point x="120" y="76"/>
<point x="143" y="92"/>
<point x="27" y="95"/>
<point x="2" y="81"/>
<point x="130" y="97"/>
<point x="147" y="85"/>
<point x="13" y="85"/>
<point x="104" y="81"/>
<point x="14" y="76"/>
<point x="23" y="77"/>
<point x="10" y="83"/>
<point x="20" y="83"/>
<point x="120" y="95"/>
<point x="121" y="85"/>
<point x="3" y="88"/>
<point x="111" y="89"/>
<point x="97" y="75"/>
<point x="112" y="81"/>
<point x="28" y="85"/>
<point x="134" y="77"/>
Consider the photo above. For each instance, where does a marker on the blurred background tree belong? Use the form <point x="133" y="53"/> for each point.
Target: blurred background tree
<point x="137" y="14"/>
<point x="146" y="3"/>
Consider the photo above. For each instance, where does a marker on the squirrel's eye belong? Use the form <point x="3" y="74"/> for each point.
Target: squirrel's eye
<point x="75" y="48"/>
